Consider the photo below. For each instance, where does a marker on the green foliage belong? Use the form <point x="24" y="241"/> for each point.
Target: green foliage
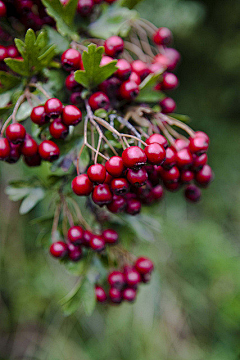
<point x="94" y="74"/>
<point x="147" y="92"/>
<point x="35" y="52"/>
<point x="114" y="20"/>
<point x="63" y="15"/>
<point x="8" y="81"/>
<point x="54" y="38"/>
<point x="130" y="3"/>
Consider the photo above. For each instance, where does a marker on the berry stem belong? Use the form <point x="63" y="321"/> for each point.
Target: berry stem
<point x="55" y="223"/>
<point x="6" y="124"/>
<point x="16" y="107"/>
<point x="171" y="121"/>
<point x="79" y="214"/>
<point x="165" y="131"/>
<point x="41" y="89"/>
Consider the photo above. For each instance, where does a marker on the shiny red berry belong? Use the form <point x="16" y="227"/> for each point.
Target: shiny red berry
<point x="53" y="107"/>
<point x="87" y="237"/>
<point x="168" y="105"/>
<point x="12" y="51"/>
<point x="97" y="173"/>
<point x="115" y="166"/>
<point x="71" y="84"/>
<point x="15" y="133"/>
<point x="119" y="186"/>
<point x="172" y="175"/>
<point x="199" y="161"/>
<point x="71" y="115"/>
<point x="100" y="294"/>
<point x="58" y="130"/>
<point x="132" y="277"/>
<point x="198" y="145"/>
<point x="110" y="236"/>
<point x="75" y="235"/>
<point x="137" y="177"/>
<point x="58" y="249"/>
<point x="71" y="59"/>
<point x="135" y="78"/>
<point x="144" y="265"/>
<point x="129" y="294"/>
<point x="181" y="144"/>
<point x="140" y="68"/>
<point x="124" y="69"/>
<point x="4" y="148"/>
<point x="114" y="46"/>
<point x="204" y="176"/>
<point x="3" y="9"/>
<point x="99" y="100"/>
<point x="97" y="243"/>
<point x="133" y="207"/>
<point x="186" y="176"/>
<point x="3" y="53"/>
<point x="15" y="153"/>
<point x="184" y="158"/>
<point x="115" y="296"/>
<point x="117" y="205"/>
<point x="116" y="279"/>
<point x="134" y="156"/>
<point x="169" y="81"/>
<point x="202" y="134"/>
<point x="74" y="252"/>
<point x="85" y="7"/>
<point x="192" y="193"/>
<point x="129" y="90"/>
<point x="29" y="146"/>
<point x="157" y="192"/>
<point x="48" y="150"/>
<point x="156" y="153"/>
<point x="102" y="195"/>
<point x="163" y="36"/>
<point x="159" y="139"/>
<point x="38" y="115"/>
<point x="171" y="158"/>
<point x="81" y="185"/>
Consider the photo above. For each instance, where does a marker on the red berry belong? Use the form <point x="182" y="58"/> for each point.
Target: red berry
<point x="129" y="90"/>
<point x="100" y="294"/>
<point x="108" y="178"/>
<point x="117" y="205"/>
<point x="71" y="84"/>
<point x="33" y="160"/>
<point x="114" y="46"/>
<point x="110" y="236"/>
<point x="135" y="78"/>
<point x="102" y="195"/>
<point x="71" y="115"/>
<point x="124" y="69"/>
<point x="15" y="153"/>
<point x="53" y="107"/>
<point x="4" y="148"/>
<point x="129" y="294"/>
<point x="99" y="100"/>
<point x="38" y="115"/>
<point x="168" y="105"/>
<point x="29" y="147"/>
<point x="133" y="207"/>
<point x="169" y="81"/>
<point x="115" y="295"/>
<point x="81" y="185"/>
<point x="15" y="133"/>
<point x="159" y="139"/>
<point x="74" y="252"/>
<point x="140" y="68"/>
<point x="58" y="249"/>
<point x="116" y="279"/>
<point x="3" y="53"/>
<point x="172" y="186"/>
<point x="156" y="153"/>
<point x="144" y="265"/>
<point x="146" y="278"/>
<point x="163" y="36"/>
<point x="198" y="145"/>
<point x="115" y="166"/>
<point x="71" y="59"/>
<point x="75" y="235"/>
<point x="132" y="277"/>
<point x="3" y="9"/>
<point x="184" y="158"/>
<point x="181" y="144"/>
<point x="87" y="237"/>
<point x="12" y="51"/>
<point x="106" y="60"/>
<point x="49" y="151"/>
<point x="204" y="176"/>
<point x="97" y="173"/>
<point x="186" y="176"/>
<point x="171" y="158"/>
<point x="192" y="193"/>
<point x="58" y="130"/>
<point x="97" y="243"/>
<point x="137" y="177"/>
<point x="76" y="98"/>
<point x="134" y="156"/>
<point x="85" y="7"/>
<point x="199" y="161"/>
<point x="171" y="175"/>
<point x="202" y="134"/>
<point x="173" y="58"/>
<point x="120" y="186"/>
<point x="157" y="192"/>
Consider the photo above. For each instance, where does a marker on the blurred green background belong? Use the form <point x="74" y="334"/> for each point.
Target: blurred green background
<point x="191" y="309"/>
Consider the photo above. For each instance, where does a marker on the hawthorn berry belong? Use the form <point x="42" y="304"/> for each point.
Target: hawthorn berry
<point x="102" y="195"/>
<point x="124" y="69"/>
<point x="157" y="192"/>
<point x="168" y="105"/>
<point x="71" y="59"/>
<point x="184" y="158"/>
<point x="133" y="207"/>
<point x="74" y="252"/>
<point x="115" y="166"/>
<point x="137" y="177"/>
<point x="33" y="160"/>
<point x="29" y="146"/>
<point x="48" y="150"/>
<point x="129" y="90"/>
<point x="198" y="145"/>
<point x="12" y="51"/>
<point x="15" y="153"/>
<point x="15" y="133"/>
<point x="75" y="235"/>
<point x="53" y="107"/>
<point x="199" y="161"/>
<point x="159" y="139"/>
<point x="114" y="46"/>
<point x="38" y="115"/>
<point x="156" y="153"/>
<point x="117" y="205"/>
<point x="134" y="156"/>
<point x="71" y="84"/>
<point x="3" y="9"/>
<point x="58" y="130"/>
<point x="186" y="176"/>
<point x="204" y="176"/>
<point x="100" y="294"/>
<point x="87" y="235"/>
<point x="3" y="53"/>
<point x="132" y="277"/>
<point x="202" y="134"/>
<point x="81" y="185"/>
<point x="119" y="186"/>
<point x="59" y="249"/>
<point x="110" y="236"/>
<point x="129" y="294"/>
<point x="140" y="68"/>
<point x="116" y="279"/>
<point x="181" y="144"/>
<point x="99" y="100"/>
<point x="144" y="265"/>
<point x="170" y="159"/>
<point x="169" y="81"/>
<point x="4" y="148"/>
<point x="97" y="243"/>
<point x="85" y="7"/>
<point x="192" y="193"/>
<point x="172" y="175"/>
<point x="115" y="295"/>
<point x="71" y="115"/>
<point x="135" y="78"/>
<point x="163" y="36"/>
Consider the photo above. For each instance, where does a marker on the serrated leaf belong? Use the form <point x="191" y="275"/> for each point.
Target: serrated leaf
<point x="94" y="74"/>
<point x="35" y="195"/>
<point x="18" y="66"/>
<point x="57" y="39"/>
<point x="147" y="92"/>
<point x="8" y="81"/>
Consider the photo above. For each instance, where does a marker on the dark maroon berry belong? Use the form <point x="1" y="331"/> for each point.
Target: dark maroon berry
<point x="97" y="243"/>
<point x="49" y="151"/>
<point x="144" y="265"/>
<point x="4" y="148"/>
<point x="117" y="205"/>
<point x="33" y="160"/>
<point x="192" y="193"/>
<point x="157" y="192"/>
<point x="115" y="295"/>
<point x="102" y="195"/>
<point x="159" y="139"/>
<point x="129" y="294"/>
<point x="71" y="115"/>
<point x="184" y="158"/>
<point x="124" y="69"/>
<point x="15" y="153"/>
<point x="114" y="46"/>
<point x="29" y="147"/>
<point x="38" y="115"/>
<point x="3" y="9"/>
<point x="168" y="105"/>
<point x="87" y="237"/>
<point x="100" y="294"/>
<point x="163" y="36"/>
<point x="186" y="176"/>
<point x="75" y="235"/>
<point x="129" y="90"/>
<point x="81" y="185"/>
<point x="3" y="53"/>
<point x="85" y="7"/>
<point x="172" y="175"/>
<point x="198" y="145"/>
<point x="199" y="161"/>
<point x="169" y="81"/>
<point x="58" y="130"/>
<point x="71" y="84"/>
<point x="133" y="207"/>
<point x="116" y="279"/>
<point x="99" y="100"/>
<point x="115" y="166"/>
<point x="132" y="277"/>
<point x="76" y="98"/>
<point x="15" y="133"/>
<point x="111" y="87"/>
<point x="137" y="177"/>
<point x="172" y="186"/>
<point x="12" y="51"/>
<point x="120" y="186"/>
<point x="53" y="107"/>
<point x="146" y="278"/>
<point x="97" y="173"/>
<point x="156" y="153"/>
<point x="110" y="236"/>
<point x="74" y="252"/>
<point x="58" y="249"/>
<point x="134" y="156"/>
<point x="140" y="68"/>
<point x="204" y="176"/>
<point x="71" y="59"/>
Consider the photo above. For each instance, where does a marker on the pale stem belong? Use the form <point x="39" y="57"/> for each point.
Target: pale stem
<point x="55" y="222"/>
<point x="171" y="121"/>
<point x="16" y="107"/>
<point x="174" y="132"/>
<point x="79" y="214"/>
<point x="6" y="124"/>
<point x="136" y="50"/>
<point x="92" y="140"/>
<point x="98" y="148"/>
<point x="144" y="42"/>
<point x="134" y="137"/>
<point x="165" y="132"/>
<point x="147" y="25"/>
<point x="41" y="89"/>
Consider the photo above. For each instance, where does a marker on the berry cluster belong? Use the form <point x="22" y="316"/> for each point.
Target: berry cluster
<point x="124" y="284"/>
<point x="79" y="241"/>
<point x="7" y="52"/>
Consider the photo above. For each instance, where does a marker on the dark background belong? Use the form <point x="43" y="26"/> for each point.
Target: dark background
<point x="191" y="309"/>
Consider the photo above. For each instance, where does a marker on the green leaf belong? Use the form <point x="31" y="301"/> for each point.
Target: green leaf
<point x="147" y="92"/>
<point x="24" y="111"/>
<point x="88" y="298"/>
<point x="130" y="3"/>
<point x="57" y="39"/>
<point x="183" y="118"/>
<point x="63" y="15"/>
<point x="5" y="99"/>
<point x="8" y="81"/>
<point x="34" y="196"/>
<point x="102" y="113"/>
<point x="94" y="74"/>
<point x="114" y="20"/>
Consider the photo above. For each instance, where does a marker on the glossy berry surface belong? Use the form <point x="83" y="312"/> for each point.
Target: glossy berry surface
<point x="102" y="194"/>
<point x="184" y="158"/>
<point x="97" y="173"/>
<point x="140" y="68"/>
<point x="134" y="156"/>
<point x="81" y="185"/>
<point x="115" y="295"/>
<point x="53" y="107"/>
<point x="133" y="207"/>
<point x="124" y="69"/>
<point x="48" y="150"/>
<point x="3" y="9"/>
<point x="169" y="82"/>
<point x="198" y="145"/>
<point x="120" y="186"/>
<point x="110" y="236"/>
<point x="75" y="235"/>
<point x="137" y="177"/>
<point x="4" y="148"/>
<point x="99" y="100"/>
<point x="115" y="166"/>
<point x="15" y="133"/>
<point x="204" y="176"/>
<point x="71" y="115"/>
<point x="58" y="130"/>
<point x="58" y="249"/>
<point x="132" y="277"/>
<point x="114" y="46"/>
<point x="155" y="153"/>
<point x="100" y="293"/>
<point x="168" y="105"/>
<point x="129" y="90"/>
<point x="144" y="265"/>
<point x="71" y="59"/>
<point x="116" y="279"/>
<point x="97" y="243"/>
<point x="129" y="294"/>
<point x="29" y="146"/>
<point x="38" y="115"/>
<point x="74" y="252"/>
<point x="159" y="139"/>
<point x="163" y="36"/>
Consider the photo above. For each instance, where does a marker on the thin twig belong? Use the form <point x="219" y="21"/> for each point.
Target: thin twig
<point x="79" y="214"/>
<point x="55" y="222"/>
<point x="41" y="89"/>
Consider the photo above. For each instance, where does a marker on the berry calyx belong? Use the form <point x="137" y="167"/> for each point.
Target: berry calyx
<point x="119" y="186"/>
<point x="81" y="185"/>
